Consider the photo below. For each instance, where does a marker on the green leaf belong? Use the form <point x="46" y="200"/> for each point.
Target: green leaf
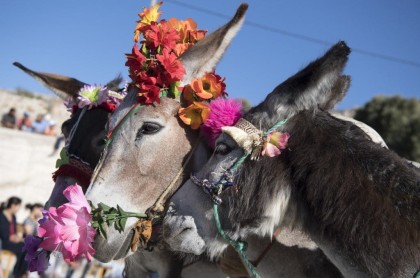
<point x="103" y="206"/>
<point x="122" y="221"/>
<point x="173" y="89"/>
<point x="102" y="231"/>
<point x="63" y="160"/>
<point x="121" y="211"/>
<point x="117" y="226"/>
<point x="110" y="221"/>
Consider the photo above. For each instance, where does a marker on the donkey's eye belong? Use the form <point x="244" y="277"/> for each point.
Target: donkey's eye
<point x="147" y="129"/>
<point x="222" y="149"/>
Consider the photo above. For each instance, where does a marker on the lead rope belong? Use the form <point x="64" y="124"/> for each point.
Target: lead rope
<point x="239" y="246"/>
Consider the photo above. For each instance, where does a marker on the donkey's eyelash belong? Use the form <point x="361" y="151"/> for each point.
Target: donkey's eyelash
<point x="222" y="149"/>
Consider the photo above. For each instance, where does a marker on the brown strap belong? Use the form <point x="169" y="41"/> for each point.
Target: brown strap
<point x="267" y="248"/>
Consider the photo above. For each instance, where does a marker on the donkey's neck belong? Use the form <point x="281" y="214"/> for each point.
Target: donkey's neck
<point x="359" y="202"/>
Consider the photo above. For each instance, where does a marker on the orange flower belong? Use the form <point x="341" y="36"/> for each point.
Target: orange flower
<point x="188" y="95"/>
<point x="189" y="35"/>
<point x="195" y="114"/>
<point x="208" y="87"/>
<point x="146" y="17"/>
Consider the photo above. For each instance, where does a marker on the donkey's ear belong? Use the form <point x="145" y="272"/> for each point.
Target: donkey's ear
<point x="62" y="86"/>
<point x="114" y="84"/>
<point x="320" y="84"/>
<point x="337" y="93"/>
<point x="204" y="55"/>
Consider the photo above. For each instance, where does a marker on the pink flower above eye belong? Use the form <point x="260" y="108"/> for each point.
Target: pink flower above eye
<point x="275" y="142"/>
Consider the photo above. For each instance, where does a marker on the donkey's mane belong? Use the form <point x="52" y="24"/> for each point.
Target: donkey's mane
<point x="345" y="188"/>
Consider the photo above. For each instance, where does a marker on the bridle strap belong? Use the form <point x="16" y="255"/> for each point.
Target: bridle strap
<point x="73" y="130"/>
<point x="111" y="132"/>
<point x="158" y="207"/>
<point x="267" y="248"/>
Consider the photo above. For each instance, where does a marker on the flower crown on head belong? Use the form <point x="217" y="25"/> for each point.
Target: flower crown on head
<point x="94" y="96"/>
<point x="156" y="72"/>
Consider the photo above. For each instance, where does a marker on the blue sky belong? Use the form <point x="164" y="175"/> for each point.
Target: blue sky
<point x="88" y="39"/>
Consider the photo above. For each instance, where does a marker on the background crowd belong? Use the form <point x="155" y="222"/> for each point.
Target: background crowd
<point x="43" y="124"/>
<point x="12" y="236"/>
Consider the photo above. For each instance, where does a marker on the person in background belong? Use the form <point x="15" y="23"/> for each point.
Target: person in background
<point x="25" y="123"/>
<point x="30" y="225"/>
<point x="9" y="119"/>
<point x="50" y="130"/>
<point x="40" y="124"/>
<point x="8" y="234"/>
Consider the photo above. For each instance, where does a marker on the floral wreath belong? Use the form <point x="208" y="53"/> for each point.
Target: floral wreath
<point x="155" y="72"/>
<point x="95" y="96"/>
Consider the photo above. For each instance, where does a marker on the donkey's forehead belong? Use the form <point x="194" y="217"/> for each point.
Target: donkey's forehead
<point x="164" y="111"/>
<point x="167" y="108"/>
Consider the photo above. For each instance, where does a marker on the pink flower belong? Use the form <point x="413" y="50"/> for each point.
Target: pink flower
<point x="68" y="228"/>
<point x="276" y="141"/>
<point x="76" y="198"/>
<point x="223" y="112"/>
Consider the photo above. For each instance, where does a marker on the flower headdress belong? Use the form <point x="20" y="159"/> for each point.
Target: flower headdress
<point x="94" y="96"/>
<point x="156" y="71"/>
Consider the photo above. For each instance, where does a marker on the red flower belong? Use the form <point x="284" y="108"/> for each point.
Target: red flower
<point x="172" y="65"/>
<point x="148" y="90"/>
<point x="162" y="34"/>
<point x="135" y="60"/>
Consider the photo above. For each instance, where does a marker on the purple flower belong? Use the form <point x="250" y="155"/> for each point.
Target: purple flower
<point x="92" y="96"/>
<point x="31" y="245"/>
<point x="37" y="258"/>
<point x="40" y="262"/>
<point x="44" y="217"/>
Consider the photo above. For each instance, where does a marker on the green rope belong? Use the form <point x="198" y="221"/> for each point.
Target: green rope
<point x="239" y="246"/>
<point x="276" y="126"/>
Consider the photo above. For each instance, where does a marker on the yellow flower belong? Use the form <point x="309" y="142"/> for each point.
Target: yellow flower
<point x="195" y="114"/>
<point x="146" y="18"/>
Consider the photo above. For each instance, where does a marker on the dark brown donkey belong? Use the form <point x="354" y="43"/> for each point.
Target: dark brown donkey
<point x="358" y="201"/>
